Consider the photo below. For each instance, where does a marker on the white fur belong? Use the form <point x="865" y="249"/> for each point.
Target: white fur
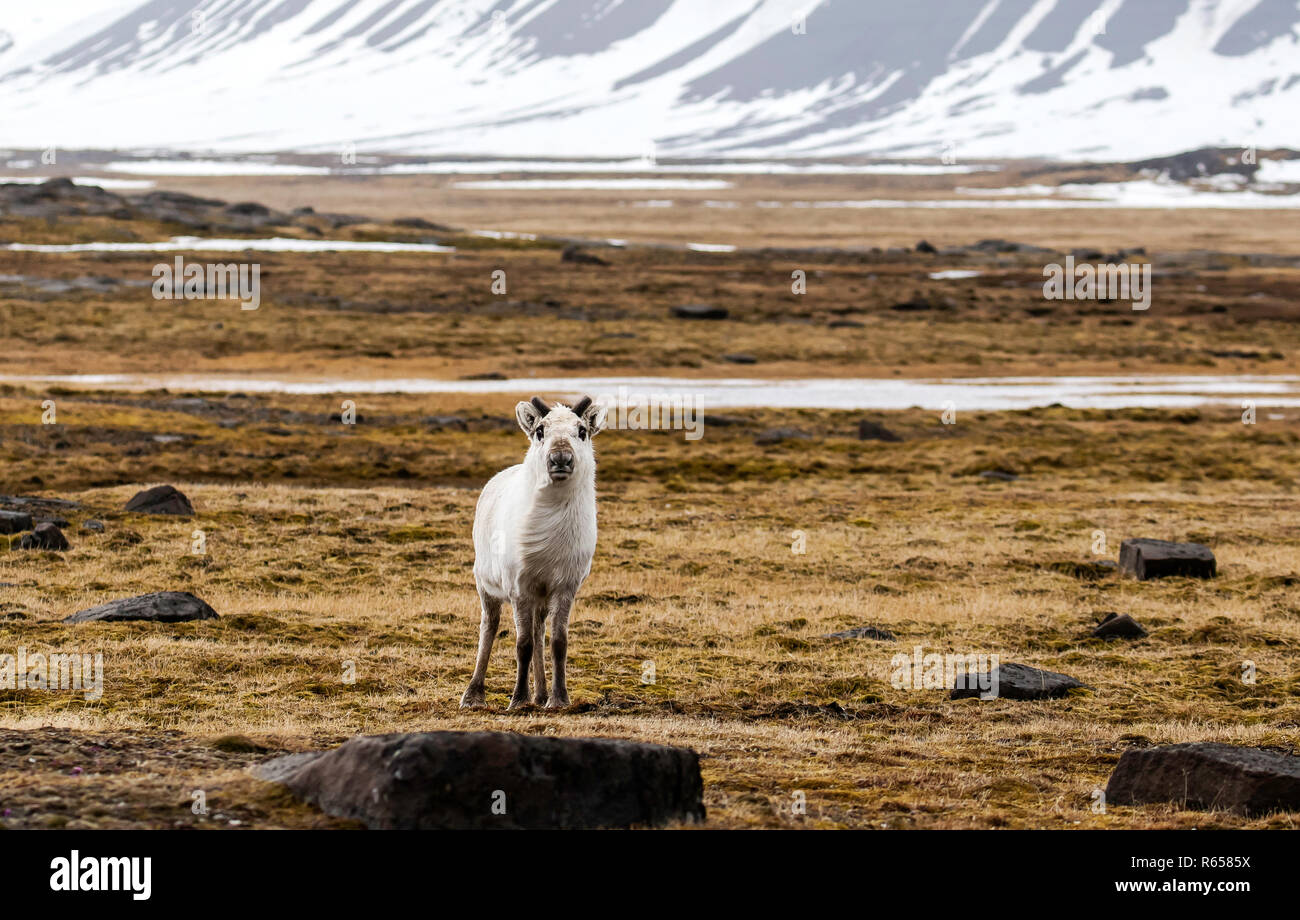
<point x="534" y="538"/>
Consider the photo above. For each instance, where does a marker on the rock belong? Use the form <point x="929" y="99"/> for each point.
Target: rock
<point x="863" y="632"/>
<point x="15" y="521"/>
<point x="1017" y="682"/>
<point x="96" y="526"/>
<point x="452" y="780"/>
<point x="916" y="303"/>
<point x="699" y="311"/>
<point x="574" y="253"/>
<point x="159" y="607"/>
<point x="777" y="435"/>
<point x="874" y="431"/>
<point x="444" y="422"/>
<point x="924" y="246"/>
<point x="1204" y="775"/>
<point x="419" y="223"/>
<point x="1147" y="559"/>
<point x="999" y="475"/>
<point x="45" y="536"/>
<point x="845" y="324"/>
<point x="160" y="500"/>
<point x="740" y="359"/>
<point x="1119" y="626"/>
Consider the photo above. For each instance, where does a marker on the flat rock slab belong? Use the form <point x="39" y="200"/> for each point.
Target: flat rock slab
<point x="699" y="311"/>
<point x="1205" y="775"/>
<point x="1147" y="559"/>
<point x="160" y="500"/>
<point x="1119" y="626"/>
<point x="863" y="632"/>
<point x="1016" y="682"/>
<point x="15" y="521"/>
<point x="159" y="607"/>
<point x="445" y="780"/>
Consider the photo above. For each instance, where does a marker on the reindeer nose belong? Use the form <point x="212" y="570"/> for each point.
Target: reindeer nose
<point x="560" y="460"/>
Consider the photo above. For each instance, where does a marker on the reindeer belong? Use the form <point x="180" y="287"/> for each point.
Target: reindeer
<point x="534" y="536"/>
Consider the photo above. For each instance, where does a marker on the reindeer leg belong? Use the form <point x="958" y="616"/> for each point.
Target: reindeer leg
<point x="561" y="604"/>
<point x="525" y="609"/>
<point x="475" y="694"/>
<point x="539" y="656"/>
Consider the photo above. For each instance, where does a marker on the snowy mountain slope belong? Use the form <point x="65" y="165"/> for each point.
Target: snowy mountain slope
<point x="1112" y="79"/>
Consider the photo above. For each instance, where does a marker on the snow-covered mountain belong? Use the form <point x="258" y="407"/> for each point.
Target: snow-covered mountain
<point x="1089" y="79"/>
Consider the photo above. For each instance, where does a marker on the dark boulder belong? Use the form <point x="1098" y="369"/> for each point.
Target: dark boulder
<point x="1119" y="626"/>
<point x="874" y="431"/>
<point x="777" y="435"/>
<point x="160" y="500"/>
<point x="1147" y="559"/>
<point x="15" y="521"/>
<point x="418" y="223"/>
<point x="925" y="247"/>
<point x="740" y="359"/>
<point x="579" y="256"/>
<point x="1205" y="775"/>
<point x="159" y="607"/>
<point x="1016" y="682"/>
<point x="461" y="780"/>
<point x="45" y="536"/>
<point x="699" y="311"/>
<point x="863" y="632"/>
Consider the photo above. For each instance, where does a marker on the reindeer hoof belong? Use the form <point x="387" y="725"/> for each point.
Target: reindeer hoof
<point x="474" y="698"/>
<point x="557" y="702"/>
<point x="517" y="703"/>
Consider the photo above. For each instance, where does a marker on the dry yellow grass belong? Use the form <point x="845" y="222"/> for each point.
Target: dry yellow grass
<point x="695" y="574"/>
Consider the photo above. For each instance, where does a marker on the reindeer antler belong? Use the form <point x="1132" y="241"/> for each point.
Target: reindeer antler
<point x="540" y="406"/>
<point x="583" y="405"/>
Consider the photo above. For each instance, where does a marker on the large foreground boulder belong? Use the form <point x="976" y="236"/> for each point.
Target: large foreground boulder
<point x="45" y="536"/>
<point x="159" y="607"/>
<point x="437" y="780"/>
<point x="1013" y="681"/>
<point x="1204" y="775"/>
<point x="160" y="500"/>
<point x="1147" y="559"/>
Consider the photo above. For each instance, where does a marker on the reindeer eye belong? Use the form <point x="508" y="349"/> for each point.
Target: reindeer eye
<point x="539" y="433"/>
<point x="582" y="432"/>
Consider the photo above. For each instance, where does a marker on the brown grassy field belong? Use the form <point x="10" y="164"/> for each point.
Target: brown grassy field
<point x="312" y="567"/>
<point x="329" y="544"/>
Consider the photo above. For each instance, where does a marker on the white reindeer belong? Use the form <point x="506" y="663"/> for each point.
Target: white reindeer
<point x="534" y="536"/>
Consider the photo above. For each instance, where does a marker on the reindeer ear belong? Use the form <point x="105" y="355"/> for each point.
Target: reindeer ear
<point x="591" y="413"/>
<point x="528" y="416"/>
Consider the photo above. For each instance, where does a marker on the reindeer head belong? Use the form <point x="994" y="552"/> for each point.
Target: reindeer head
<point x="560" y="437"/>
